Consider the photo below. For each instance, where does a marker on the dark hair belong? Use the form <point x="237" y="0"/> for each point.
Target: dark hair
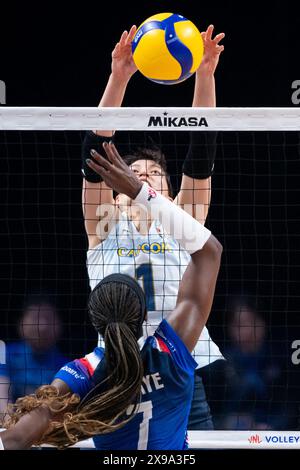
<point x="155" y="155"/>
<point x="35" y="299"/>
<point x="117" y="310"/>
<point x="248" y="301"/>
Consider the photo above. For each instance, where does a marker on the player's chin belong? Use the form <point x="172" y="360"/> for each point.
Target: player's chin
<point x="162" y="191"/>
<point x="157" y="187"/>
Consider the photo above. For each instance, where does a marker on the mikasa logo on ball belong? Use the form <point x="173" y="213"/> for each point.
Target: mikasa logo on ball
<point x="138" y="35"/>
<point x="167" y="121"/>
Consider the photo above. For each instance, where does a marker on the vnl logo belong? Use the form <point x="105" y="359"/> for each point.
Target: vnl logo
<point x="2" y="352"/>
<point x="277" y="439"/>
<point x="255" y="439"/>
<point x="2" y="92"/>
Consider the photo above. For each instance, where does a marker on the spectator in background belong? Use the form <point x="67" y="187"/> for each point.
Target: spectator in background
<point x="258" y="372"/>
<point x="34" y="359"/>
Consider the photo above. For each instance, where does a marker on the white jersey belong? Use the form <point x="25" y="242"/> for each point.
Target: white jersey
<point x="158" y="262"/>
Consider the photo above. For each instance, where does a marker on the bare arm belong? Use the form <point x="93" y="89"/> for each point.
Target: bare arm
<point x="95" y="195"/>
<point x="97" y="204"/>
<point x="196" y="193"/>
<point x="122" y="69"/>
<point x="32" y="426"/>
<point x="196" y="293"/>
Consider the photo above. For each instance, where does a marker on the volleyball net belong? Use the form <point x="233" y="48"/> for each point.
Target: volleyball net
<point x="254" y="212"/>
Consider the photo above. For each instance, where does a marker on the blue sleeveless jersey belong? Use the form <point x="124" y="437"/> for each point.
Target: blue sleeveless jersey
<point x="167" y="390"/>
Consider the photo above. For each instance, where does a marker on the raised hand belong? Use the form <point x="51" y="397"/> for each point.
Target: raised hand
<point x="114" y="171"/>
<point x="123" y="66"/>
<point x="212" y="51"/>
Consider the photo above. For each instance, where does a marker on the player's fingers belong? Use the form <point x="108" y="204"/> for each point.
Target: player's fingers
<point x="97" y="168"/>
<point x="123" y="38"/>
<point x="110" y="154"/>
<point x="116" y="157"/>
<point x="131" y="34"/>
<point x="116" y="50"/>
<point x="209" y="31"/>
<point x="219" y="38"/>
<point x="100" y="160"/>
<point x="220" y="48"/>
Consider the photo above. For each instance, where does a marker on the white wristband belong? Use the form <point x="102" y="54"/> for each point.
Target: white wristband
<point x="1" y="444"/>
<point x="191" y="235"/>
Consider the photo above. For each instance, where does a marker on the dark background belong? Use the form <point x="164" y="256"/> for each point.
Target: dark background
<point x="59" y="55"/>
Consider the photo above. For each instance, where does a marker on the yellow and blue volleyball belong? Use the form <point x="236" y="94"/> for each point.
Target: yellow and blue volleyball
<point x="167" y="48"/>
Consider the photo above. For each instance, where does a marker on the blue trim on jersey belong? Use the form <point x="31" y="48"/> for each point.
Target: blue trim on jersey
<point x="178" y="349"/>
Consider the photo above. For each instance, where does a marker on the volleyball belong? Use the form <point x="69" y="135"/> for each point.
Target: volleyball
<point x="167" y="48"/>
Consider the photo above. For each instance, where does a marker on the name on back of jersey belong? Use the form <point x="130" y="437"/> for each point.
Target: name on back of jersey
<point x="151" y="383"/>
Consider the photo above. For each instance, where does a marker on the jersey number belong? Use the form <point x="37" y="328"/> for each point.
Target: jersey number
<point x="146" y="409"/>
<point x="145" y="272"/>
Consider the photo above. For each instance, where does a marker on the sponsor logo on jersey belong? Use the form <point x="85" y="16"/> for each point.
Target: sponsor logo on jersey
<point x="73" y="372"/>
<point x="151" y="194"/>
<point x="154" y="248"/>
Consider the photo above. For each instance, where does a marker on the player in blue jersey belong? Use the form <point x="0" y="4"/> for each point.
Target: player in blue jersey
<point x="134" y="393"/>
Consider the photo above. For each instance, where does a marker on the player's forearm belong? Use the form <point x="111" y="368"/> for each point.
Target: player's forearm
<point x="112" y="97"/>
<point x="28" y="430"/>
<point x="191" y="235"/>
<point x="114" y="92"/>
<point x="205" y="90"/>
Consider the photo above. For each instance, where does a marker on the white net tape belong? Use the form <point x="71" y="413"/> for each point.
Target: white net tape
<point x="163" y="119"/>
<point x="234" y="440"/>
<point x="231" y="440"/>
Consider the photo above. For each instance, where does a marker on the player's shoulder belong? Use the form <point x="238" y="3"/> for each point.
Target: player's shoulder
<point x="85" y="366"/>
<point x="91" y="361"/>
<point x="166" y="341"/>
<point x="78" y="374"/>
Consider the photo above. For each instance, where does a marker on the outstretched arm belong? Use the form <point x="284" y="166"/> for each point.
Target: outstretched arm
<point x="122" y="69"/>
<point x="195" y="191"/>
<point x="32" y="426"/>
<point x="205" y="86"/>
<point x="95" y="193"/>
<point x="196" y="293"/>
